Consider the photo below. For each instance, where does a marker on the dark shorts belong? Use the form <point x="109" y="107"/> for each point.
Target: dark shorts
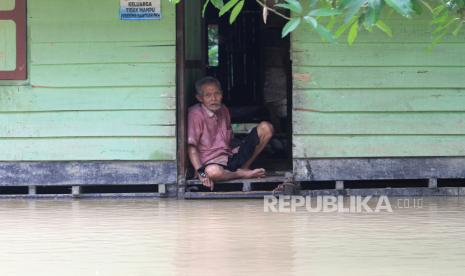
<point x="246" y="150"/>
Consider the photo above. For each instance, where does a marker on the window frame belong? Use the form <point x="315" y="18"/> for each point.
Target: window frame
<point x="18" y="15"/>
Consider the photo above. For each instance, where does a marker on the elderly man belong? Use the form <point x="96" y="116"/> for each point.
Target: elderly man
<point x="210" y="134"/>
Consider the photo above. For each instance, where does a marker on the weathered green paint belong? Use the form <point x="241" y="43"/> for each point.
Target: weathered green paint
<point x="379" y="123"/>
<point x="88" y="148"/>
<point x="378" y="54"/>
<point x="104" y="52"/>
<point x="26" y="98"/>
<point x="99" y="88"/>
<point x="333" y="146"/>
<point x="379" y="100"/>
<point x="378" y="77"/>
<point x="7" y="45"/>
<point x="381" y="97"/>
<point x="7" y="5"/>
<point x="60" y="21"/>
<point x="95" y="75"/>
<point x="88" y="124"/>
<point x="414" y="31"/>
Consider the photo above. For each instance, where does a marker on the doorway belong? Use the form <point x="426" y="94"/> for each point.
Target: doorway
<point x="253" y="64"/>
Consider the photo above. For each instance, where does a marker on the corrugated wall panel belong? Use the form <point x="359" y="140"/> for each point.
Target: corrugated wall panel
<point x="99" y="88"/>
<point x="381" y="97"/>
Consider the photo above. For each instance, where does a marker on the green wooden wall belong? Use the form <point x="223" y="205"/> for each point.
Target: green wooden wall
<point x="99" y="88"/>
<point x="7" y="44"/>
<point x="381" y="97"/>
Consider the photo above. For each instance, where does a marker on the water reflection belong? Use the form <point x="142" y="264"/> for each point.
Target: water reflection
<point x="226" y="237"/>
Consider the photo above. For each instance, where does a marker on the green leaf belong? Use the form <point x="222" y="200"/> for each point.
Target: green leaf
<point x="325" y="34"/>
<point x="440" y="19"/>
<point x="352" y="33"/>
<point x="438" y="9"/>
<point x="311" y="21"/>
<point x="295" y="6"/>
<point x="235" y="12"/>
<point x="331" y="23"/>
<point x="417" y="7"/>
<point x="344" y="27"/>
<point x="372" y="15"/>
<point x="457" y="29"/>
<point x="353" y="7"/>
<point x="444" y="26"/>
<point x="383" y="27"/>
<point x="292" y="5"/>
<point x="313" y="3"/>
<point x="290" y="26"/>
<point x="324" y="12"/>
<point x="403" y="7"/>
<point x="227" y="7"/>
<point x="217" y="3"/>
<point x="344" y="4"/>
<point x="205" y="7"/>
<point x="435" y="41"/>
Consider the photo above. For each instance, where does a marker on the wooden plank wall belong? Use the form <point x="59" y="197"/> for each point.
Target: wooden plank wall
<point x="7" y="45"/>
<point x="99" y="88"/>
<point x="381" y="97"/>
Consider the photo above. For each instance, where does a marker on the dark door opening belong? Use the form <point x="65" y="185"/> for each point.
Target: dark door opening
<point x="252" y="62"/>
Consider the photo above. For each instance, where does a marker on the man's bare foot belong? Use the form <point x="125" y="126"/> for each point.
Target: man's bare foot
<point x="251" y="173"/>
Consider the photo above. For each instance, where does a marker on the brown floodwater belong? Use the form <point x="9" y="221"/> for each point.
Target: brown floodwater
<point x="227" y="237"/>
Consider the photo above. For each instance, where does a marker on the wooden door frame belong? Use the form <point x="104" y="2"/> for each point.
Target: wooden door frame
<point x="182" y="97"/>
<point x="181" y="106"/>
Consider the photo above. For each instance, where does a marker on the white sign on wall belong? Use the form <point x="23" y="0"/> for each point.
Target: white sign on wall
<point x="140" y="10"/>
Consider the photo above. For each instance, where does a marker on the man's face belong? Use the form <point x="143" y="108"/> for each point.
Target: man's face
<point x="211" y="97"/>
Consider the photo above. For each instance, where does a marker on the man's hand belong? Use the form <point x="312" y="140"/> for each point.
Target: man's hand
<point x="195" y="160"/>
<point x="206" y="181"/>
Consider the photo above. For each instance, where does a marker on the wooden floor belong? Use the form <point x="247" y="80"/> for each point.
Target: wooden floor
<point x="250" y="188"/>
<point x="238" y="188"/>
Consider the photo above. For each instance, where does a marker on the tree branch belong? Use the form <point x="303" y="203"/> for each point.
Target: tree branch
<point x="427" y="6"/>
<point x="272" y="10"/>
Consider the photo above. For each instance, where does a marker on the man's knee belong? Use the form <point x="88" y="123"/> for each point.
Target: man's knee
<point x="265" y="129"/>
<point x="214" y="171"/>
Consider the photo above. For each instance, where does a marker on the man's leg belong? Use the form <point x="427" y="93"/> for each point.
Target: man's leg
<point x="265" y="132"/>
<point x="218" y="173"/>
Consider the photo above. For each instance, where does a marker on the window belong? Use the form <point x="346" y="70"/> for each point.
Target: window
<point x="213" y="45"/>
<point x="13" y="40"/>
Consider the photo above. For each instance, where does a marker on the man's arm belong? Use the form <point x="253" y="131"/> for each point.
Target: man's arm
<point x="195" y="161"/>
<point x="194" y="130"/>
<point x="194" y="156"/>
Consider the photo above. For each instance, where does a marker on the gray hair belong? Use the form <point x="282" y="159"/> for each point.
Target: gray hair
<point x="206" y="80"/>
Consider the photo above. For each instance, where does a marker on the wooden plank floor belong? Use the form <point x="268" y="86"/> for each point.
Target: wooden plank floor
<point x="272" y="178"/>
<point x="247" y="187"/>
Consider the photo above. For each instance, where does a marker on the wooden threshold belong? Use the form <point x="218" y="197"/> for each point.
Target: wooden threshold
<point x="226" y="195"/>
<point x="272" y="178"/>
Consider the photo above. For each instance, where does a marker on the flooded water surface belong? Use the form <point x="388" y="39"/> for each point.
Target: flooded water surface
<point x="227" y="237"/>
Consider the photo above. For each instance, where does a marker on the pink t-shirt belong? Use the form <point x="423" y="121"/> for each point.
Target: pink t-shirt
<point x="210" y="132"/>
